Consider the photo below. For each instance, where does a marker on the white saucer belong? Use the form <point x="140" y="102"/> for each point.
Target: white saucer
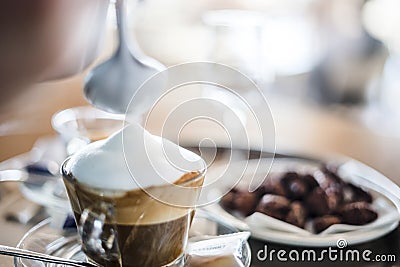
<point x="351" y="238"/>
<point x="65" y="243"/>
<point x="351" y="170"/>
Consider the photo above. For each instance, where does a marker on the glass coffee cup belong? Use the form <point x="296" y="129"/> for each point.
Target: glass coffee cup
<point x="79" y="126"/>
<point x="138" y="227"/>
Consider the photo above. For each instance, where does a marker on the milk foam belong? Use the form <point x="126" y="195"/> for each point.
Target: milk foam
<point x="132" y="158"/>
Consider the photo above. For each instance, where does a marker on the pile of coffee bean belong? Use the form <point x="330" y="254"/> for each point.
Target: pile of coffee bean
<point x="322" y="198"/>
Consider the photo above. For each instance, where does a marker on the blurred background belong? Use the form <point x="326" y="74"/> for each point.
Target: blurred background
<point x="329" y="69"/>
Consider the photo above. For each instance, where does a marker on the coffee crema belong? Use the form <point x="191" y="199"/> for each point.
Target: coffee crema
<point x="140" y="206"/>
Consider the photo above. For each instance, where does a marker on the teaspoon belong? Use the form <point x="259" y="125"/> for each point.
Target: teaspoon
<point x="32" y="255"/>
<point x="111" y="85"/>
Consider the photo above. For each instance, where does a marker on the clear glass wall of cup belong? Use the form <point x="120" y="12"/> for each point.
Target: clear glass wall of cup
<point x="133" y="227"/>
